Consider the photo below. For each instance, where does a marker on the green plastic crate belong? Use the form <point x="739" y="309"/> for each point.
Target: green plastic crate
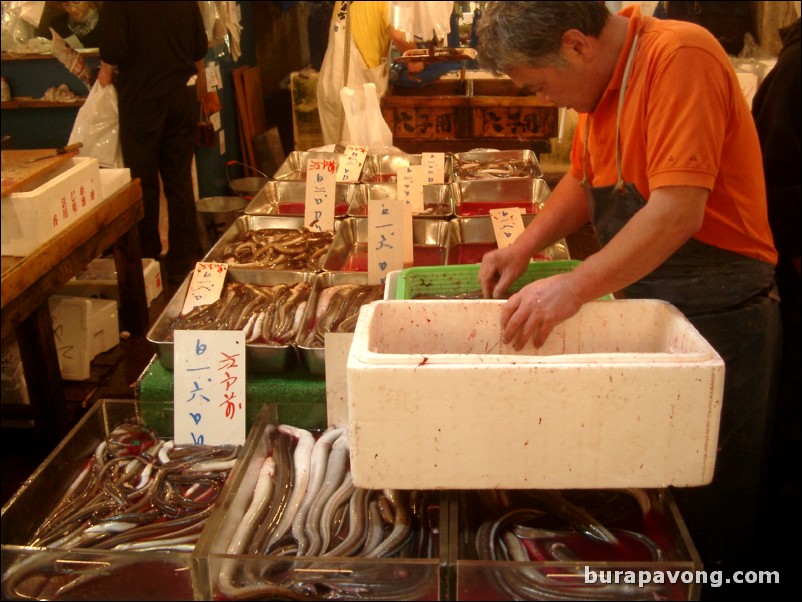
<point x="458" y="279"/>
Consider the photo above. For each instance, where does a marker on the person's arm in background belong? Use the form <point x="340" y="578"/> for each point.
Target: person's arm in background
<point x="403" y="45"/>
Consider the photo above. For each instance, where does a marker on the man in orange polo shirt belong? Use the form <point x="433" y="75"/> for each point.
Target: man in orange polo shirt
<point x="666" y="165"/>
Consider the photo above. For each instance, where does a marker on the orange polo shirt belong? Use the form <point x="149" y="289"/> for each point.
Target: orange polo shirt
<point x="685" y="122"/>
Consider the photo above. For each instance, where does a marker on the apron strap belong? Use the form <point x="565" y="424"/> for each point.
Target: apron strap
<point x="346" y="64"/>
<point x="624" y="82"/>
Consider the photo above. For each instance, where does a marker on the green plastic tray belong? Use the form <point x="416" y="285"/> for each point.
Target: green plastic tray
<point x="459" y="279"/>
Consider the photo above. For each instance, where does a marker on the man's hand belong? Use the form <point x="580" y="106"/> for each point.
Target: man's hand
<point x="105" y="75"/>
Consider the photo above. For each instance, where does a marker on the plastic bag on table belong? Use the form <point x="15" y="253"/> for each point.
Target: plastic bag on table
<point x="363" y="117"/>
<point x="98" y="127"/>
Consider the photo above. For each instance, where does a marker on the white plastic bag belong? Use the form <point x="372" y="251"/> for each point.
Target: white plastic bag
<point x="98" y="127"/>
<point x="363" y="116"/>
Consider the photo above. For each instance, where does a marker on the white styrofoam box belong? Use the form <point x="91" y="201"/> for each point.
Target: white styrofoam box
<point x="48" y="205"/>
<point x="623" y="394"/>
<point x="112" y="179"/>
<point x="99" y="280"/>
<point x="83" y="328"/>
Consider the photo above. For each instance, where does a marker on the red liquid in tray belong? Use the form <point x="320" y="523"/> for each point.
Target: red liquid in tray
<point x="298" y="209"/>
<point x="423" y="255"/>
<point x="470" y="252"/>
<point x="468" y="209"/>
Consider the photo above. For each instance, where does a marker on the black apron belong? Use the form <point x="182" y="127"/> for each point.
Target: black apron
<point x="729" y="298"/>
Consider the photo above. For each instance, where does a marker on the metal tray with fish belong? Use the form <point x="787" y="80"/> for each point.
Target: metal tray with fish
<point x="261" y="357"/>
<point x="478" y="197"/>
<point x="269" y="242"/>
<point x="294" y="166"/>
<point x="333" y="307"/>
<point x="437" y="199"/>
<point x="349" y="250"/>
<point x="482" y="164"/>
<point x="385" y="168"/>
<point x="288" y="198"/>
<point x="471" y="237"/>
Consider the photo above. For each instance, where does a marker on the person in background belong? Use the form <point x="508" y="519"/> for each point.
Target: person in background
<point x="360" y="36"/>
<point x="775" y="109"/>
<point x="671" y="178"/>
<point x="76" y="22"/>
<point x="155" y="48"/>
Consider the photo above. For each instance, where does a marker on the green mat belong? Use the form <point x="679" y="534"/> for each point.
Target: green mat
<point x="299" y="396"/>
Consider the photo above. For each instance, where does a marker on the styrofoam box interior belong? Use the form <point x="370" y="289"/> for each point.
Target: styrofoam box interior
<point x="624" y="394"/>
<point x="83" y="328"/>
<point x="99" y="280"/>
<point x="48" y="205"/>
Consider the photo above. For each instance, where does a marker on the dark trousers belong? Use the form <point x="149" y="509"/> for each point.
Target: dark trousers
<point x="722" y="517"/>
<point x="158" y="138"/>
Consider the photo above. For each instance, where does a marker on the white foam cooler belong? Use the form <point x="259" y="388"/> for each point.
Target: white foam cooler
<point x="626" y="393"/>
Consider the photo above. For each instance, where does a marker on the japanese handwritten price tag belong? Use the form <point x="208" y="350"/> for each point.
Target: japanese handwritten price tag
<point x="433" y="168"/>
<point x="350" y="167"/>
<point x="385" y="238"/>
<point x="319" y="200"/>
<point x="209" y="387"/>
<point x="507" y="225"/>
<point x="205" y="286"/>
<point x="410" y="186"/>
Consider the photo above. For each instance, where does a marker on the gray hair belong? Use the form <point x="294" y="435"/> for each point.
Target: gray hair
<point x="514" y="34"/>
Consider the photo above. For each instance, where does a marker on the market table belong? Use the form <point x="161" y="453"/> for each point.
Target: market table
<point x="28" y="283"/>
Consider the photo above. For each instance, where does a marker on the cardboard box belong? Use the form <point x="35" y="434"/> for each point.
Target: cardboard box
<point x="83" y="328"/>
<point x="49" y="205"/>
<point x="624" y="394"/>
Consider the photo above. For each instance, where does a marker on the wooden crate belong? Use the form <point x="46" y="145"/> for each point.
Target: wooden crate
<point x="438" y="111"/>
<point x="499" y="109"/>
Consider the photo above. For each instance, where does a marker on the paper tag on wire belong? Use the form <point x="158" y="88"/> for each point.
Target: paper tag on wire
<point x="507" y="225"/>
<point x="205" y="286"/>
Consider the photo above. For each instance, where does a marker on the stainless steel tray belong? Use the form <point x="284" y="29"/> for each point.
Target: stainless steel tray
<point x="384" y="168"/>
<point x="437" y="199"/>
<point x="314" y="356"/>
<point x="478" y="197"/>
<point x="349" y="250"/>
<point x="471" y="237"/>
<point x="288" y="198"/>
<point x="294" y="166"/>
<point x="246" y="223"/>
<point x="259" y="357"/>
<point x="496" y="164"/>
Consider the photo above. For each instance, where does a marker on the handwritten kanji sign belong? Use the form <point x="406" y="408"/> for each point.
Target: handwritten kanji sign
<point x="386" y="233"/>
<point x="209" y="387"/>
<point x="320" y="194"/>
<point x="205" y="285"/>
<point x="350" y="167"/>
<point x="507" y="225"/>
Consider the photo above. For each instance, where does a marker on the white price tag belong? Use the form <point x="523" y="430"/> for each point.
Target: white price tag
<point x="205" y="286"/>
<point x="385" y="238"/>
<point x="507" y="225"/>
<point x="410" y="186"/>
<point x="350" y="168"/>
<point x="209" y="387"/>
<point x="320" y="194"/>
<point x="433" y="168"/>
